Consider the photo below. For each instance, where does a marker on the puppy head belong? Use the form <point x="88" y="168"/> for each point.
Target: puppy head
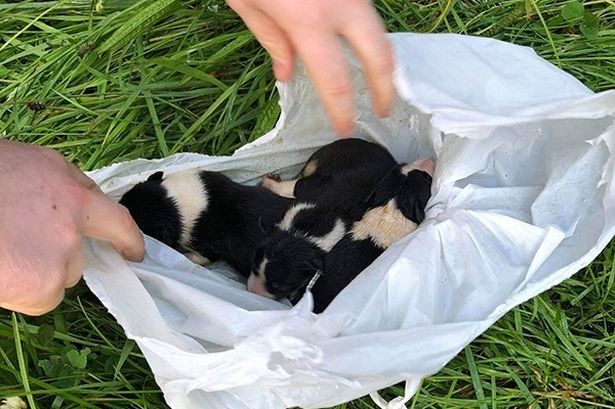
<point x="153" y="210"/>
<point x="284" y="264"/>
<point x="410" y="186"/>
<point x="415" y="189"/>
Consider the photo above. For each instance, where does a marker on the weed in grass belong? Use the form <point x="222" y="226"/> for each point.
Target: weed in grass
<point x="110" y="80"/>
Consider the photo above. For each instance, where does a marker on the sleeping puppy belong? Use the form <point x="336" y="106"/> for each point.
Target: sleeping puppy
<point x="206" y="215"/>
<point x="287" y="260"/>
<point x="395" y="209"/>
<point x="340" y="174"/>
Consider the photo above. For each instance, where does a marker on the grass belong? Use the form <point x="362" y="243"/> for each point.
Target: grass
<point x="104" y="82"/>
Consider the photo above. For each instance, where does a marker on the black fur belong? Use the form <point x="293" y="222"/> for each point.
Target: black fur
<point x="350" y="257"/>
<point x="237" y="218"/>
<point x="346" y="173"/>
<point x="342" y="264"/>
<point x="411" y="193"/>
<point x="154" y="211"/>
<point x="292" y="259"/>
<point x="292" y="262"/>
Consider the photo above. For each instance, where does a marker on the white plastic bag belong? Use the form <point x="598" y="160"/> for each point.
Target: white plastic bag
<point x="523" y="197"/>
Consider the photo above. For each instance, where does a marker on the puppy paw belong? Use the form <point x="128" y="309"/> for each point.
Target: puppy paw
<point x="274" y="176"/>
<point x="270" y="180"/>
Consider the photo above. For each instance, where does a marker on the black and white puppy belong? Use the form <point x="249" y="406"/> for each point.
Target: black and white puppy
<point x="289" y="258"/>
<point x="340" y="174"/>
<point x="206" y="215"/>
<point x="395" y="210"/>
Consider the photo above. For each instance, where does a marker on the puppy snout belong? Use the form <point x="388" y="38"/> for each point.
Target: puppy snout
<point x="257" y="286"/>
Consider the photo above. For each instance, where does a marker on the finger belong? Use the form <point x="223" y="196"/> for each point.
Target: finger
<point x="104" y="219"/>
<point x="323" y="58"/>
<point x="273" y="39"/>
<point x="82" y="178"/>
<point x="75" y="266"/>
<point x="366" y="34"/>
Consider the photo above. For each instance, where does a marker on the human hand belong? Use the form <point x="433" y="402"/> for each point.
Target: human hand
<point x="311" y="28"/>
<point x="46" y="206"/>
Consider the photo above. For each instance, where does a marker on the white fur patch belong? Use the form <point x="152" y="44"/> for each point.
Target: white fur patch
<point x="196" y="258"/>
<point x="291" y="213"/>
<point x="261" y="267"/>
<point x="284" y="189"/>
<point x="327" y="242"/>
<point x="310" y="168"/>
<point x="384" y="225"/>
<point x="256" y="284"/>
<point x="191" y="198"/>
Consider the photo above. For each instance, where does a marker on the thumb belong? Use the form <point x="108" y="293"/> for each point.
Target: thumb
<point x="104" y="219"/>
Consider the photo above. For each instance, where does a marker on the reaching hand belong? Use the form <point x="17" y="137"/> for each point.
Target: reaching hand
<point x="312" y="29"/>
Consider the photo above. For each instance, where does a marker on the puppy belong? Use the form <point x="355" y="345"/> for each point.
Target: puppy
<point x="206" y="215"/>
<point x="340" y="174"/>
<point x="286" y="261"/>
<point x="395" y="209"/>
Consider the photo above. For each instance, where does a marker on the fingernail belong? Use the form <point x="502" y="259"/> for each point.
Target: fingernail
<point x="381" y="113"/>
<point x="384" y="111"/>
<point x="345" y="131"/>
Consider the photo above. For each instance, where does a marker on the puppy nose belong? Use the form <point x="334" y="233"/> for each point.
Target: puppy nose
<point x="256" y="286"/>
<point x="425" y="165"/>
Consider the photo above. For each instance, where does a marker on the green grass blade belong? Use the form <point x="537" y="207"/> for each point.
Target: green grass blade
<point x="476" y="381"/>
<point x="23" y="368"/>
<point x="138" y="24"/>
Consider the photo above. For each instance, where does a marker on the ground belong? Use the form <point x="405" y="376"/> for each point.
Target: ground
<point x="103" y="82"/>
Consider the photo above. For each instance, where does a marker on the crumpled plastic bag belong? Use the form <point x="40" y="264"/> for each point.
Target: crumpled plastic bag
<point x="523" y="197"/>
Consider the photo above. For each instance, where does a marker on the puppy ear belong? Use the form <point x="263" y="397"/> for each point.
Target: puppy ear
<point x="155" y="176"/>
<point x="414" y="196"/>
<point x="386" y="188"/>
<point x="419" y="211"/>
